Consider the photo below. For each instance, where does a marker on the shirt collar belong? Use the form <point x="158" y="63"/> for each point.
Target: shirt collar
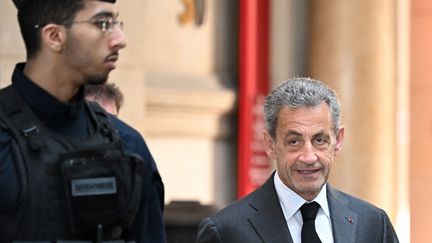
<point x="291" y="201"/>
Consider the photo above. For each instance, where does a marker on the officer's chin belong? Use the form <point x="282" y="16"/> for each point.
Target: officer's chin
<point x="97" y="79"/>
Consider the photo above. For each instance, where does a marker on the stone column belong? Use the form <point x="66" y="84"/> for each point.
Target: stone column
<point x="352" y="48"/>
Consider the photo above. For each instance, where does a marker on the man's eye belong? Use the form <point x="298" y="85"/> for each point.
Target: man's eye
<point x="320" y="141"/>
<point x="102" y="23"/>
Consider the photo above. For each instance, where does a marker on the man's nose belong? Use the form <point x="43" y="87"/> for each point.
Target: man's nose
<point x="118" y="38"/>
<point x="308" y="155"/>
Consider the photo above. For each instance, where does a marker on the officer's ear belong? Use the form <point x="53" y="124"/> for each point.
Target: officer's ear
<point x="269" y="145"/>
<point x="53" y="37"/>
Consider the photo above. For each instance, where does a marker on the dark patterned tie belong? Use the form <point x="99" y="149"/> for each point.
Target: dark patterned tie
<point x="308" y="233"/>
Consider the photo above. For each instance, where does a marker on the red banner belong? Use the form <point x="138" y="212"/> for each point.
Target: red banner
<point x="253" y="165"/>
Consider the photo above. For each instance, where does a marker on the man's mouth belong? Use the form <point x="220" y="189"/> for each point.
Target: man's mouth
<point x="111" y="60"/>
<point x="308" y="172"/>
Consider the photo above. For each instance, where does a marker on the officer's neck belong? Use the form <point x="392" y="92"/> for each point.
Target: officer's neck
<point x="53" y="77"/>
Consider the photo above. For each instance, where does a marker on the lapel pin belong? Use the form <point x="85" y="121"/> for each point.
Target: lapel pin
<point x="350" y="220"/>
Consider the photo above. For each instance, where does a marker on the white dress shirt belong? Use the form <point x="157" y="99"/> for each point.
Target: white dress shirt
<point x="291" y="203"/>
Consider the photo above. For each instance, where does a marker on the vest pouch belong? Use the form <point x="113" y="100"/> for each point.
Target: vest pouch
<point x="102" y="186"/>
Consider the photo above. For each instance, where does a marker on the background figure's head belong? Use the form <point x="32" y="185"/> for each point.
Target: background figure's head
<point x="34" y="13"/>
<point x="107" y="95"/>
<point x="300" y="92"/>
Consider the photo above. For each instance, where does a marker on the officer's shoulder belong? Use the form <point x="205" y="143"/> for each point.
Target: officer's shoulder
<point x="123" y="128"/>
<point x="4" y="131"/>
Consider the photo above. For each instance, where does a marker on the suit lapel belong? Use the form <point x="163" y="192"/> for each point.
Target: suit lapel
<point x="344" y="221"/>
<point x="268" y="220"/>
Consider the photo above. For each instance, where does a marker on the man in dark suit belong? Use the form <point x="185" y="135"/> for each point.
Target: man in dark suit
<point x="296" y="204"/>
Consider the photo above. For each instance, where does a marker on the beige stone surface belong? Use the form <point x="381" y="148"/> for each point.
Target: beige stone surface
<point x="352" y="48"/>
<point x="11" y="44"/>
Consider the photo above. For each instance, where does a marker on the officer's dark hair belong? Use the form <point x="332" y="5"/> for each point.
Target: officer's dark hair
<point x="34" y="14"/>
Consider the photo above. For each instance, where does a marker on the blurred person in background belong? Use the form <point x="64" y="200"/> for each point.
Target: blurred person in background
<point x="303" y="135"/>
<point x="68" y="170"/>
<point x="107" y="95"/>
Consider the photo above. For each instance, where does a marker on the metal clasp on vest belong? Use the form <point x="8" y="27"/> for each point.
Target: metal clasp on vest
<point x="30" y="133"/>
<point x="30" y="130"/>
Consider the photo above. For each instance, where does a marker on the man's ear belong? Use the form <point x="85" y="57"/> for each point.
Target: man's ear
<point x="53" y="36"/>
<point x="269" y="145"/>
<point x="339" y="139"/>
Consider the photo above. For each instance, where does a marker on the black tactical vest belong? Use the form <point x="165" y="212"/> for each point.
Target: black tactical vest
<point x="71" y="187"/>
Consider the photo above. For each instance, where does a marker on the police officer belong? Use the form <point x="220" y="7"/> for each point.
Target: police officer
<point x="68" y="170"/>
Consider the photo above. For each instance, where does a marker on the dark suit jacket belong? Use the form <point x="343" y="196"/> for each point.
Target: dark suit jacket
<point x="259" y="218"/>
